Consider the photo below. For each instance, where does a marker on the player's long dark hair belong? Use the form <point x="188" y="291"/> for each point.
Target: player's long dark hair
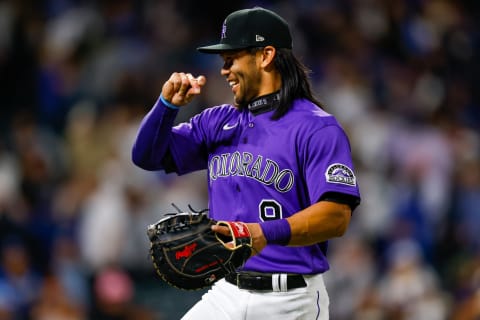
<point x="295" y="81"/>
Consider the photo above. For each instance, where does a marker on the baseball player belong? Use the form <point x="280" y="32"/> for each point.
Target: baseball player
<point x="275" y="160"/>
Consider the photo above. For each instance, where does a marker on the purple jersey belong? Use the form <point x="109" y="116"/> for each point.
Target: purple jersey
<point x="261" y="169"/>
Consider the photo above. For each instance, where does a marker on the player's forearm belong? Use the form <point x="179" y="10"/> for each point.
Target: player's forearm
<point x="319" y="222"/>
<point x="152" y="138"/>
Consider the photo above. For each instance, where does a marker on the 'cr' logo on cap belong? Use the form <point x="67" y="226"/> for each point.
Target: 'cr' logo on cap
<point x="224" y="30"/>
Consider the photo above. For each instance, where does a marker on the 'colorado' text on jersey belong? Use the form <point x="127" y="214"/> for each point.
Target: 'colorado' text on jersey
<point x="245" y="164"/>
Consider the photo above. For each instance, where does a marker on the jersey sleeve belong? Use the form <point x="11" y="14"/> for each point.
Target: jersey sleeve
<point x="160" y="145"/>
<point x="328" y="165"/>
<point x="152" y="140"/>
<point x="188" y="144"/>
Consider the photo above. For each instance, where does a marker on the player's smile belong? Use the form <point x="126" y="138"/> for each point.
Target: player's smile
<point x="236" y="87"/>
<point x="233" y="85"/>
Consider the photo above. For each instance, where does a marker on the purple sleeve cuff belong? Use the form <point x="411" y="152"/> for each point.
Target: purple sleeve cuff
<point x="276" y="231"/>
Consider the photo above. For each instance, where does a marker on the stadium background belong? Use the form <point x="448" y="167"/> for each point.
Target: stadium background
<point x="77" y="76"/>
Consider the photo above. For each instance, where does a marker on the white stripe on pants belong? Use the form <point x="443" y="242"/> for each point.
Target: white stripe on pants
<point x="225" y="301"/>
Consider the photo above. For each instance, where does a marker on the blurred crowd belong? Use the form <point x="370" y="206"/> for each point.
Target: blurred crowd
<point x="76" y="77"/>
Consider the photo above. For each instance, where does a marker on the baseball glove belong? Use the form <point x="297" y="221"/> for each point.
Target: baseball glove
<point x="188" y="255"/>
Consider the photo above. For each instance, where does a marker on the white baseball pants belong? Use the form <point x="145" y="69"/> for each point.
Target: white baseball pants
<point x="225" y="301"/>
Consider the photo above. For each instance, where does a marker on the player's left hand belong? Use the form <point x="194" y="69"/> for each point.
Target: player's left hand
<point x="258" y="240"/>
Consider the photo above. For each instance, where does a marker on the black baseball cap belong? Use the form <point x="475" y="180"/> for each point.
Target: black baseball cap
<point x="247" y="28"/>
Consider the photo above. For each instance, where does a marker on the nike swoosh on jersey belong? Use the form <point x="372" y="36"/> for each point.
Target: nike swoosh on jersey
<point x="230" y="126"/>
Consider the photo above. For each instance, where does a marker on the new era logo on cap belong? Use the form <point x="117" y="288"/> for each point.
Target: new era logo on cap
<point x="259" y="38"/>
<point x="250" y="28"/>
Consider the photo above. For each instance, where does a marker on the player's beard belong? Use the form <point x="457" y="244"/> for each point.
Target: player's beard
<point x="240" y="102"/>
<point x="247" y="80"/>
<point x="245" y="94"/>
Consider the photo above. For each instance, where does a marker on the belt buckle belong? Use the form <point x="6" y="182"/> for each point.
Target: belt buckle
<point x="280" y="282"/>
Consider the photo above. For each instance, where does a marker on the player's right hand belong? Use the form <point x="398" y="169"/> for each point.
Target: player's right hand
<point x="181" y="88"/>
<point x="258" y="239"/>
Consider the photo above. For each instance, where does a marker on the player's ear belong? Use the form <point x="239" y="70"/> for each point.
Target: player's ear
<point x="268" y="54"/>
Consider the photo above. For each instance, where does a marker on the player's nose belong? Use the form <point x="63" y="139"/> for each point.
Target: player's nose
<point x="224" y="72"/>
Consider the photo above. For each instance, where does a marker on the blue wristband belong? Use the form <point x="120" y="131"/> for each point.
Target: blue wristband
<point x="276" y="231"/>
<point x="168" y="104"/>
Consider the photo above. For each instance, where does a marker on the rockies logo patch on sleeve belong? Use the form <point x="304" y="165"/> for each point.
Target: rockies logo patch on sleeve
<point x="340" y="173"/>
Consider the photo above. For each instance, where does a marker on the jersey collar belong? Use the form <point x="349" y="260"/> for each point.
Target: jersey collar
<point x="264" y="103"/>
